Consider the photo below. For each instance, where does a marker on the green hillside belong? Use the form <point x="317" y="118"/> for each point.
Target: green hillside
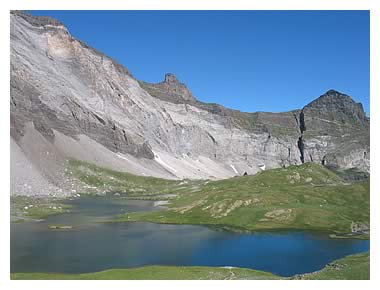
<point x="305" y="197"/>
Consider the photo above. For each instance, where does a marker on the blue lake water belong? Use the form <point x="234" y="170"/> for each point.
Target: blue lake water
<point x="93" y="246"/>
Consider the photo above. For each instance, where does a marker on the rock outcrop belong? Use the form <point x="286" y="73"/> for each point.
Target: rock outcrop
<point x="338" y="107"/>
<point x="171" y="90"/>
<point x="81" y="104"/>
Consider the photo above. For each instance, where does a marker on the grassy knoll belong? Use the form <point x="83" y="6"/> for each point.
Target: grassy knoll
<point x="306" y="197"/>
<point x="354" y="267"/>
<point x="27" y="208"/>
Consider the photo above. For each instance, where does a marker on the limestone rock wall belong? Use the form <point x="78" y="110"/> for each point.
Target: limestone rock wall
<point x="62" y="87"/>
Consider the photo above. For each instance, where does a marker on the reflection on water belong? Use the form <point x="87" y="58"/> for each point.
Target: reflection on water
<point x="95" y="246"/>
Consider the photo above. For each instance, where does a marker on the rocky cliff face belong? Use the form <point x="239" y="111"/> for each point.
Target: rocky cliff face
<point x="70" y="101"/>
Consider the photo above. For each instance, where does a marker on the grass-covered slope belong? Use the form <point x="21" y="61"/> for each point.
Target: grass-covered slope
<point x="306" y="197"/>
<point x="98" y="180"/>
<point x="155" y="273"/>
<point x="26" y="208"/>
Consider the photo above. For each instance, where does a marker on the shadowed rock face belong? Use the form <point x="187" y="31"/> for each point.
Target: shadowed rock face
<point x="302" y="122"/>
<point x="301" y="147"/>
<point x="87" y="106"/>
<point x="338" y="107"/>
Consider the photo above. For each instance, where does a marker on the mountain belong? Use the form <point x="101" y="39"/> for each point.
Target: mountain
<point x="69" y="101"/>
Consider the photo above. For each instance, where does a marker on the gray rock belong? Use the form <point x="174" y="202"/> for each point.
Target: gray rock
<point x="89" y="107"/>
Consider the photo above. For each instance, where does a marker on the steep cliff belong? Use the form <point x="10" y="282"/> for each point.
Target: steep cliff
<point x="70" y="101"/>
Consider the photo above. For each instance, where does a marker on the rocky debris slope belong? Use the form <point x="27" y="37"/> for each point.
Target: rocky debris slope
<point x="70" y="101"/>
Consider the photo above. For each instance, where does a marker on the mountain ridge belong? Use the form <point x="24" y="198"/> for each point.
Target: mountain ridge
<point x="81" y="104"/>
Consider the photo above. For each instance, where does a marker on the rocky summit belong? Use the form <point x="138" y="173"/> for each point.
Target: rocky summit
<point x="70" y="101"/>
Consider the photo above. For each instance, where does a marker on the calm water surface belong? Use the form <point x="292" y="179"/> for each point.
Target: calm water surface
<point x="92" y="246"/>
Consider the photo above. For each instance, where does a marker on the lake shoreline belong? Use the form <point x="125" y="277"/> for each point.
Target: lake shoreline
<point x="160" y="204"/>
<point x="331" y="271"/>
<point x="64" y="225"/>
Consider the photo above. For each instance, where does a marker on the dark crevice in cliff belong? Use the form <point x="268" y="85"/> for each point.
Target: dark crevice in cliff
<point x="99" y="119"/>
<point x="211" y="137"/>
<point x="301" y="147"/>
<point x="125" y="136"/>
<point x="302" y="122"/>
<point x="324" y="160"/>
<point x="300" y="142"/>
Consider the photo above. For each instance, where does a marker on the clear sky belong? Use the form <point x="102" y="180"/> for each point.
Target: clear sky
<point x="247" y="60"/>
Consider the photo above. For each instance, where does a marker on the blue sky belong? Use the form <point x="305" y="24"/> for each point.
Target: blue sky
<point x="247" y="60"/>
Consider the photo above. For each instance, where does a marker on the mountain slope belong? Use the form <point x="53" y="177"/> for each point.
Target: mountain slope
<point x="69" y="101"/>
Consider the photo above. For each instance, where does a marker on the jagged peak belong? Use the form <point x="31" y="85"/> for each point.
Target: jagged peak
<point x="170" y="78"/>
<point x="170" y="89"/>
